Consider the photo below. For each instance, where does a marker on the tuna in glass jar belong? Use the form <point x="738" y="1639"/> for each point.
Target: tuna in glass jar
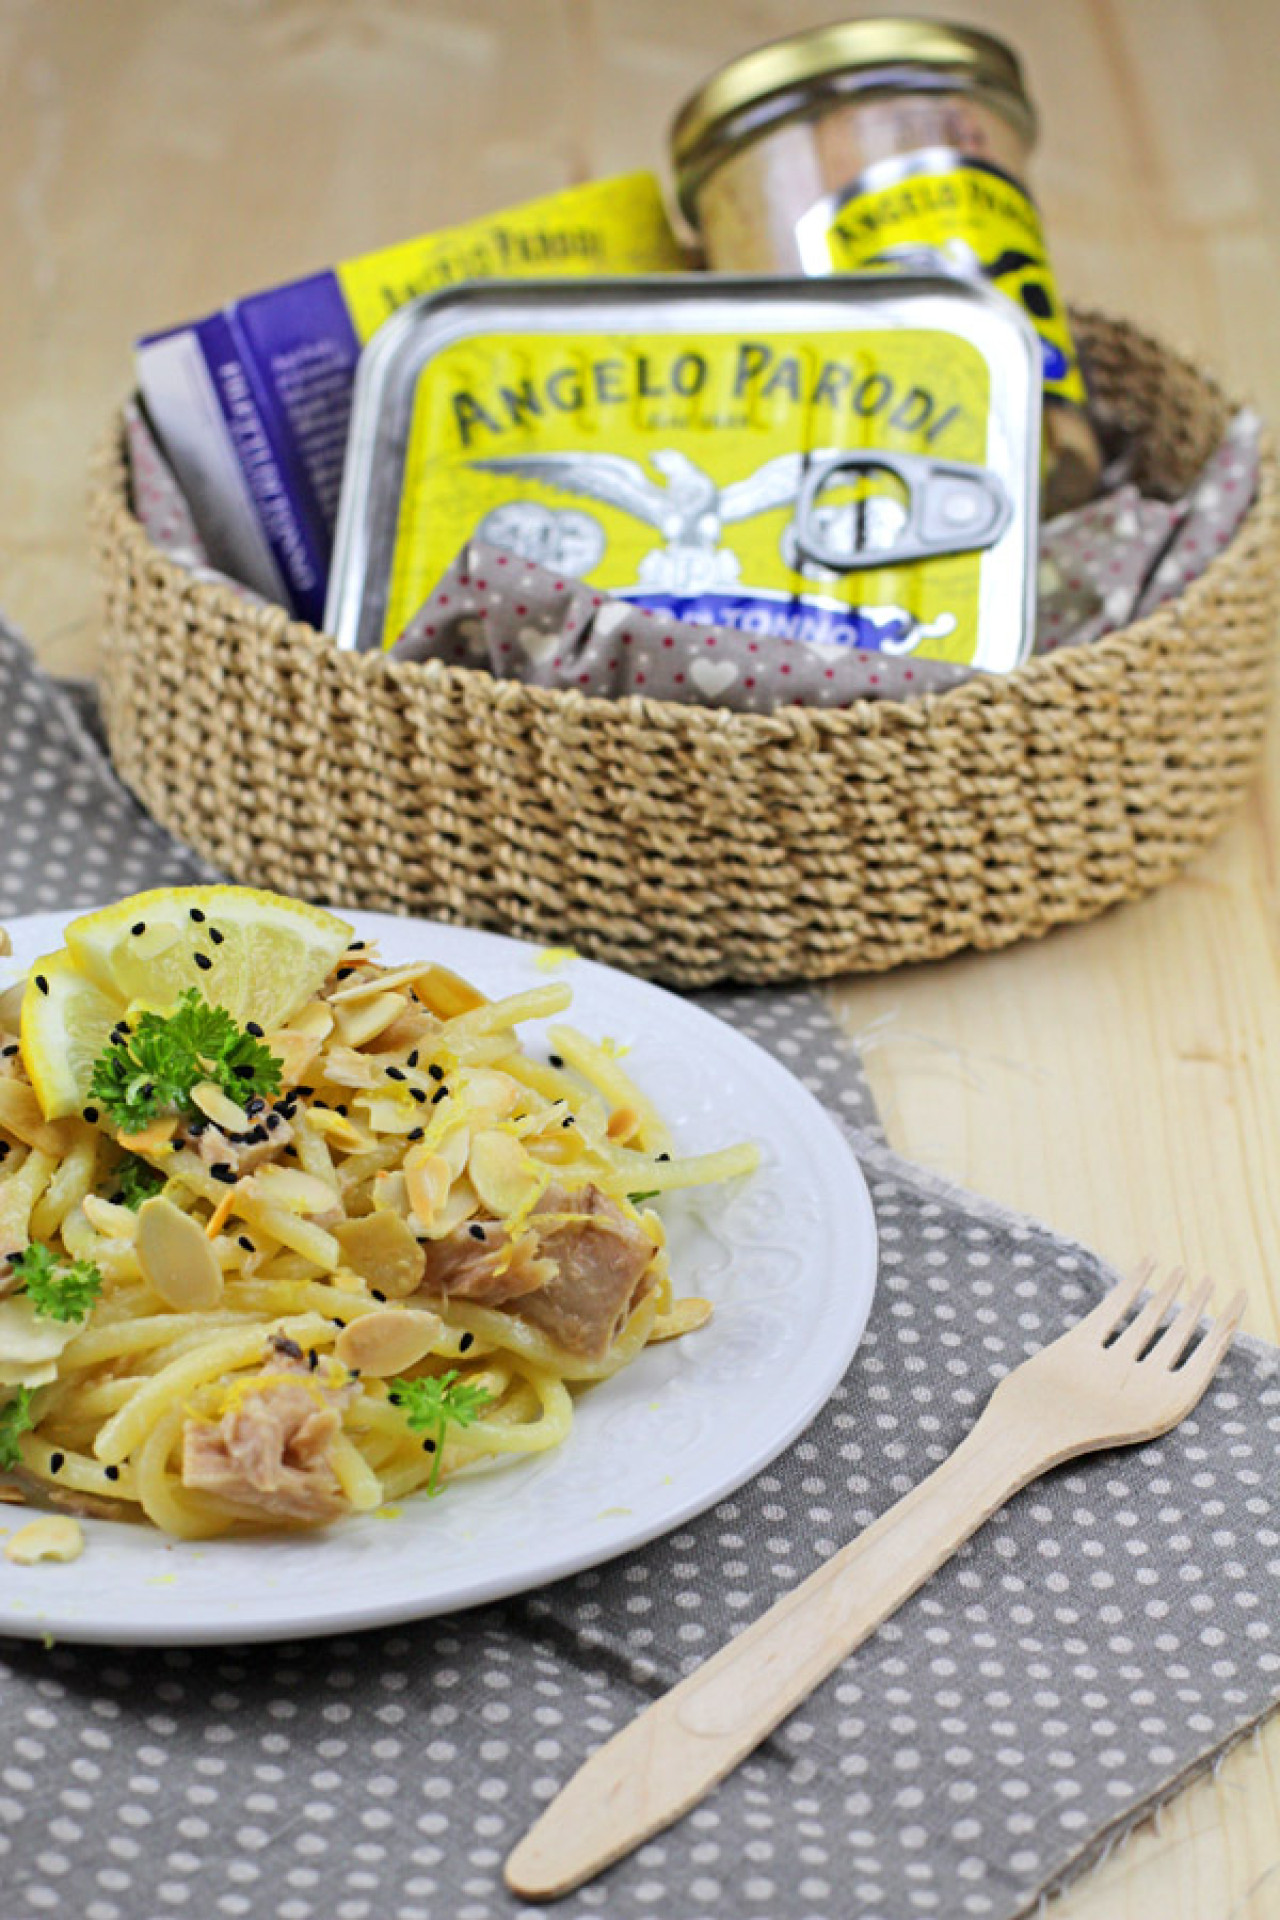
<point x="886" y="144"/>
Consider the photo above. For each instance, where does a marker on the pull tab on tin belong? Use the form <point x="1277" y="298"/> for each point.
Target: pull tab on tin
<point x="950" y="507"/>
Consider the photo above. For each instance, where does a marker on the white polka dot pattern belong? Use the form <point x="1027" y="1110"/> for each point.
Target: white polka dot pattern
<point x="1112" y="1630"/>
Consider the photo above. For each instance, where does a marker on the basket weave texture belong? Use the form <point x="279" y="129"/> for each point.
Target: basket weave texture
<point x="692" y="845"/>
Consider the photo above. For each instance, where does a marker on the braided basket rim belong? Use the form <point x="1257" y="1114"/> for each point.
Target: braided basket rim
<point x="216" y="602"/>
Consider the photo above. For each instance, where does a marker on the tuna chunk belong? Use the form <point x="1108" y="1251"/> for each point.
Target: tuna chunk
<point x="577" y="1274"/>
<point x="268" y="1457"/>
<point x="267" y="1141"/>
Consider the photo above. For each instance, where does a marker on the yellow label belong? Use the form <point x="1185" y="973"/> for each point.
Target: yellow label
<point x="969" y="216"/>
<point x="666" y="468"/>
<point x="609" y="226"/>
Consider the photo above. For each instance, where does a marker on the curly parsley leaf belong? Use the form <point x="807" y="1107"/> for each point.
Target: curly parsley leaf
<point x="15" y="1419"/>
<point x="434" y="1404"/>
<point x="134" y="1181"/>
<point x="57" y="1290"/>
<point x="151" y="1068"/>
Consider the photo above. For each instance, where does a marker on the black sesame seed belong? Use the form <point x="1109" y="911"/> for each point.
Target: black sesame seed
<point x="216" y="937"/>
<point x="56" y="1462"/>
<point x="42" y="983"/>
<point x="112" y="1473"/>
<point x="428" y="1446"/>
<point x="4" y="1148"/>
<point x="196" y="1127"/>
<point x="476" y="1232"/>
<point x="441" y="1093"/>
<point x="414" y="1133"/>
<point x="139" y="926"/>
<point x="417" y="1094"/>
<point x="251" y="1026"/>
<point x="436" y="1070"/>
<point x="664" y="1156"/>
<point x="413" y="1058"/>
<point x="467" y="1341"/>
<point x="245" y="1242"/>
<point x="302" y="1093"/>
<point x="145" y="1093"/>
<point x="243" y="1072"/>
<point x="313" y="1358"/>
<point x="273" y="1121"/>
<point x="356" y="946"/>
<point x="395" y="1073"/>
<point x="341" y="1109"/>
<point x="91" y="1115"/>
<point x="203" y="962"/>
<point x="345" y="973"/>
<point x="567" y="1121"/>
<point x="221" y="1171"/>
<point x="555" y="1060"/>
<point x="197" y="916"/>
<point x="10" y="1051"/>
<point x="377" y="1295"/>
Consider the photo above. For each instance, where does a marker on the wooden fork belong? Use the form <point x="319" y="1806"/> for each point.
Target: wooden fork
<point x="1102" y="1384"/>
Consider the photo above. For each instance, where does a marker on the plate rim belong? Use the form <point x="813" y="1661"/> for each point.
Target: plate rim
<point x="486" y="1588"/>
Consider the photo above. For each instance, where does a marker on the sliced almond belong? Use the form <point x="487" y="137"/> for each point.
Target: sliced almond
<point x="446" y="993"/>
<point x="364" y="1020"/>
<point x="292" y="1189"/>
<point x="454" y="1149"/>
<point x="390" y="1112"/>
<point x="152" y="1138"/>
<point x="413" y="1027"/>
<point x="341" y="1133"/>
<point x="382" y="1344"/>
<point x="54" y="1536"/>
<point x="176" y="1259"/>
<point x="12" y="1496"/>
<point x="490" y="1094"/>
<point x="315" y="1020"/>
<point x="106" y="1217"/>
<point x="383" y="1251"/>
<point x="457" y="1209"/>
<point x="389" y="1192"/>
<point x="501" y="1172"/>
<point x="623" y="1122"/>
<point x="686" y="1316"/>
<point x="381" y="982"/>
<point x="215" y="1105"/>
<point x="347" y="1068"/>
<point x="427" y="1179"/>
<point x="21" y="1115"/>
<point x="295" y="1051"/>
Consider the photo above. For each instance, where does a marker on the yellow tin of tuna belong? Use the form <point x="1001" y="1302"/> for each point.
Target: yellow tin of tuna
<point x="848" y="463"/>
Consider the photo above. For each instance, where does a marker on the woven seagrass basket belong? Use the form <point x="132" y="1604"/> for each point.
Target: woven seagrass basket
<point x="694" y="845"/>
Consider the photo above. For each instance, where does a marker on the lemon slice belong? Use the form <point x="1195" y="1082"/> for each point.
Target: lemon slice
<point x="259" y="955"/>
<point x="65" y="1026"/>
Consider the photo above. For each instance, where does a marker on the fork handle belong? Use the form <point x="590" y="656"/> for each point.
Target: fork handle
<point x="664" y="1763"/>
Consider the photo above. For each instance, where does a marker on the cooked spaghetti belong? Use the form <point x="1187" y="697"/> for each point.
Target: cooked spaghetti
<point x="409" y="1254"/>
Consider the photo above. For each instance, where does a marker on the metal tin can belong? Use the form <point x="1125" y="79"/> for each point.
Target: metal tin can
<point x="886" y="143"/>
<point x="848" y="463"/>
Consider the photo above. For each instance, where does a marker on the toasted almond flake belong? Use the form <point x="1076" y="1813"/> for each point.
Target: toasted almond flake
<point x="315" y="1020"/>
<point x="6" y="944"/>
<point x="176" y="1259"/>
<point x="490" y="1094"/>
<point x="54" y="1536"/>
<point x="290" y="1188"/>
<point x="363" y="1021"/>
<point x="454" y="1148"/>
<point x="340" y="1132"/>
<point x="382" y="982"/>
<point x="153" y="1138"/>
<point x="214" y="1105"/>
<point x="383" y="1251"/>
<point x="382" y="1344"/>
<point x="22" y="1116"/>
<point x="623" y="1122"/>
<point x="445" y="993"/>
<point x="500" y="1172"/>
<point x="347" y="1068"/>
<point x="427" y="1178"/>
<point x="459" y="1207"/>
<point x="389" y="1192"/>
<point x="12" y="1497"/>
<point x="686" y="1316"/>
<point x="295" y="1052"/>
<point x="106" y="1217"/>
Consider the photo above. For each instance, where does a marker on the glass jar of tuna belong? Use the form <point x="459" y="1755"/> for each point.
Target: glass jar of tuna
<point x="894" y="144"/>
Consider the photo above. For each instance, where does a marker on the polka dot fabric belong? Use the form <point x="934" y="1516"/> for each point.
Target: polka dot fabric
<point x="1109" y="1634"/>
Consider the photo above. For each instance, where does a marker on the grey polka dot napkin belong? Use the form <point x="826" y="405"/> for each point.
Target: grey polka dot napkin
<point x="1112" y="1631"/>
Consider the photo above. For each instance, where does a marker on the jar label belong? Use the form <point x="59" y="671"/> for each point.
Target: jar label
<point x="939" y="211"/>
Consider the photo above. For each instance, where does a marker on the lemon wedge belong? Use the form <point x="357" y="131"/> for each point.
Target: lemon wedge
<point x="259" y="955"/>
<point x="66" y="1023"/>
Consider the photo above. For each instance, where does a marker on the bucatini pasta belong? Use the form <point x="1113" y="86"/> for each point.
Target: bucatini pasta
<point x="410" y="1253"/>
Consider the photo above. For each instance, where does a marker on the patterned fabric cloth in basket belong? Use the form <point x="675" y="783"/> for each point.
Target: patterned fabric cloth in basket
<point x="694" y="845"/>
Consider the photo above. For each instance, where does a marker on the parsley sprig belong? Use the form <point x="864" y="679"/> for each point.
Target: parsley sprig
<point x="434" y="1404"/>
<point x="134" y="1181"/>
<point x="150" y="1069"/>
<point x="57" y="1290"/>
<point x="15" y="1419"/>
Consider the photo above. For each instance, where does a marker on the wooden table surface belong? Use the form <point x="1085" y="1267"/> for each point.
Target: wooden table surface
<point x="1122" y="1079"/>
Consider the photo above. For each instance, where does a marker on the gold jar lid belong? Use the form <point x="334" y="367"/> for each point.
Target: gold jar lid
<point x="793" y="75"/>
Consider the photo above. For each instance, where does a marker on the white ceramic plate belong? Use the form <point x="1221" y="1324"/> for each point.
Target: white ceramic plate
<point x="788" y="1257"/>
